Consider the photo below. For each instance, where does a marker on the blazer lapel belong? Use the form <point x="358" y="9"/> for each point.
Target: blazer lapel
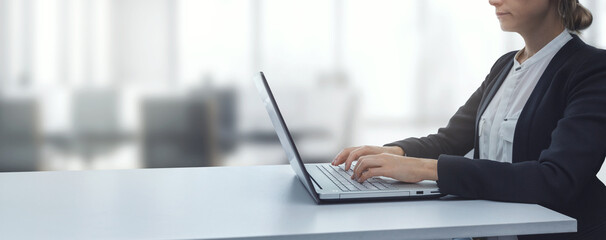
<point x="494" y="87"/>
<point x="521" y="137"/>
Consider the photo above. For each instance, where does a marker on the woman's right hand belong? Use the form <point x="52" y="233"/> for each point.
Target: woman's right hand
<point x="350" y="154"/>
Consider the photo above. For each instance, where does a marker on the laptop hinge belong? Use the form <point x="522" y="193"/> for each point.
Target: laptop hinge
<point x="314" y="180"/>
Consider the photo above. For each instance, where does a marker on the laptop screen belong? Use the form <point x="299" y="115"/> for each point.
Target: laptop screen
<point x="283" y="134"/>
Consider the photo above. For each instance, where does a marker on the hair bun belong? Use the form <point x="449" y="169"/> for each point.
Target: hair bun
<point x="574" y="15"/>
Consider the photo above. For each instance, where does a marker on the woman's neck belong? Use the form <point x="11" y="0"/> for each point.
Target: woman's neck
<point x="536" y="38"/>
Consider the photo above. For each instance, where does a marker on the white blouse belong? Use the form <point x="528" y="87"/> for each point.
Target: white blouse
<point x="498" y="123"/>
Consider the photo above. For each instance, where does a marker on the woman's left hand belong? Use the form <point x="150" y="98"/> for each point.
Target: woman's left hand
<point x="405" y="169"/>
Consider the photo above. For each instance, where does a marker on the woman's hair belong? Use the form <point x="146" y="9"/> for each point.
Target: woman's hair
<point x="574" y="16"/>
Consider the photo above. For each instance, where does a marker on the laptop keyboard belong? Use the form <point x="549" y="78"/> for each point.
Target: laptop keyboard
<point x="342" y="179"/>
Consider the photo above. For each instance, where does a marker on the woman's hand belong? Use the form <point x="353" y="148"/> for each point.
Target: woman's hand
<point x="351" y="154"/>
<point x="405" y="169"/>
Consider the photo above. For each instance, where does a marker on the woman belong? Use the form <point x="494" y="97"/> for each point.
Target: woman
<point x="537" y="125"/>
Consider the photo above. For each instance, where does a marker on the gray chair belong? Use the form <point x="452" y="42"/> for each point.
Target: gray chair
<point x="176" y="132"/>
<point x="95" y="121"/>
<point x="221" y="110"/>
<point x="19" y="135"/>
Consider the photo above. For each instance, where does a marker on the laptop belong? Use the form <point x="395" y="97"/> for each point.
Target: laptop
<point x="326" y="183"/>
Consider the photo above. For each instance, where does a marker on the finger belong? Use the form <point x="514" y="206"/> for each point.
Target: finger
<point x="342" y="156"/>
<point x="371" y="172"/>
<point x="366" y="162"/>
<point x="355" y="154"/>
<point x="360" y="165"/>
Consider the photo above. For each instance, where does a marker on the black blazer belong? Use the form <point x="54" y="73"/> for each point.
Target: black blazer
<point x="559" y="143"/>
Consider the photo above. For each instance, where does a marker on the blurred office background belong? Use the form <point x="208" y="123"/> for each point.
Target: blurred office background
<point x="115" y="84"/>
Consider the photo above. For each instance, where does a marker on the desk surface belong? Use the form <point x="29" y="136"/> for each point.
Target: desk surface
<point x="237" y="202"/>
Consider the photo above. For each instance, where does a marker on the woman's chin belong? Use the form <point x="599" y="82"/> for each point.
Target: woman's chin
<point x="507" y="28"/>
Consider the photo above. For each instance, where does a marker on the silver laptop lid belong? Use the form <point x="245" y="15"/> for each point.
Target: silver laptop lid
<point x="284" y="135"/>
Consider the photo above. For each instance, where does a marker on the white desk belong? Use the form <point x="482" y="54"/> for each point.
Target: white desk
<point x="236" y="202"/>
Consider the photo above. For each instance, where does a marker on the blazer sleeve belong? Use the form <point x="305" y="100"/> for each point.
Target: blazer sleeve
<point x="574" y="156"/>
<point x="457" y="138"/>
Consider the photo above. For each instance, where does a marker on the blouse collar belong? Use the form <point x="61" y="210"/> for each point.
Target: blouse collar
<point x="548" y="50"/>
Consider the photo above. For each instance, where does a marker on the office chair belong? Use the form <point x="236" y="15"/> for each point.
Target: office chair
<point x="20" y="141"/>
